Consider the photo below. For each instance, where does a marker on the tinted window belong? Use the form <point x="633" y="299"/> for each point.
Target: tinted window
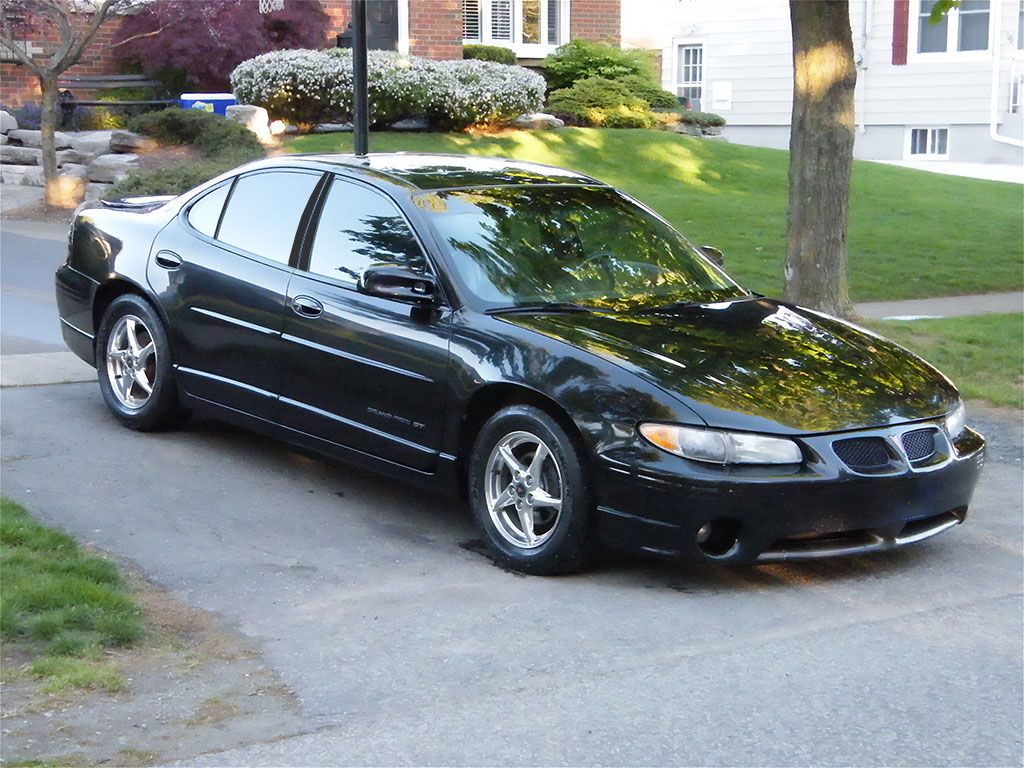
<point x="205" y="214"/>
<point x="264" y="211"/>
<point x="358" y="228"/>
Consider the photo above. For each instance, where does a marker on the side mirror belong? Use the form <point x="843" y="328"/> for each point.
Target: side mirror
<point x="392" y="281"/>
<point x="714" y="254"/>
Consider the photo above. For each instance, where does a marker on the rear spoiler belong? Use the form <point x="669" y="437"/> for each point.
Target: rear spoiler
<point x="138" y="204"/>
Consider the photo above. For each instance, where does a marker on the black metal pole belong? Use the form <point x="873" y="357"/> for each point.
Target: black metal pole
<point x="360" y="119"/>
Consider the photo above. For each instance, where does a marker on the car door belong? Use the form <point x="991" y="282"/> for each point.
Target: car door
<point x="361" y="371"/>
<point x="221" y="273"/>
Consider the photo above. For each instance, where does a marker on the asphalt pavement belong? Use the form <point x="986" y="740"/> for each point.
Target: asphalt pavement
<point x="406" y="646"/>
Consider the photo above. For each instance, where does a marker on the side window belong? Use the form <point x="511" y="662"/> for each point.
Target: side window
<point x="264" y="212"/>
<point x="358" y="228"/>
<point x="205" y="214"/>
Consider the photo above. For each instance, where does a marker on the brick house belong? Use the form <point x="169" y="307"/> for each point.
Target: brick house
<point x="435" y="29"/>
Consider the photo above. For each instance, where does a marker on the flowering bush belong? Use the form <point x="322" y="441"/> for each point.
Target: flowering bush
<point x="306" y="87"/>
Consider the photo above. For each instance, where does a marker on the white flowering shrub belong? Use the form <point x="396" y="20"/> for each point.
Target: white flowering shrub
<point x="307" y="87"/>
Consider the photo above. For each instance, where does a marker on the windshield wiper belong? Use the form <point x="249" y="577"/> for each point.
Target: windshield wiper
<point x="549" y="306"/>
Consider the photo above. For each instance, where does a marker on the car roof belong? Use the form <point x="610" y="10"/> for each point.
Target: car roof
<point x="422" y="171"/>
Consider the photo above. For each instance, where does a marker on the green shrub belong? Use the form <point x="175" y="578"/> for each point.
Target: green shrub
<point x="210" y="133"/>
<point x="98" y="119"/>
<point x="490" y="53"/>
<point x="599" y="102"/>
<point x="703" y="119"/>
<point x="580" y="59"/>
<point x="171" y="181"/>
<point x="648" y="90"/>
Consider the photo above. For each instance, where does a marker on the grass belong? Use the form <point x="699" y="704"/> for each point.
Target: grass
<point x="983" y="355"/>
<point x="912" y="234"/>
<point x="65" y="605"/>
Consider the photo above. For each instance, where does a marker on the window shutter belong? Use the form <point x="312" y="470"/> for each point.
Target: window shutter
<point x="900" y="19"/>
<point x="471" y="19"/>
<point x="501" y="19"/>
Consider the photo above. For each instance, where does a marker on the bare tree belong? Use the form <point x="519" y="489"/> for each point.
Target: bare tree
<point x="76" y="23"/>
<point x="820" y="155"/>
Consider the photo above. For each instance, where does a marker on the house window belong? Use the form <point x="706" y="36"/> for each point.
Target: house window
<point x="961" y="30"/>
<point x="1020" y="26"/>
<point x="529" y="27"/>
<point x="929" y="143"/>
<point x="690" y="71"/>
<point x="1016" y="86"/>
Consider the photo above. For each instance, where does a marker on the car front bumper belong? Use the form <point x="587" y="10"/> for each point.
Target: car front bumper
<point x="669" y="506"/>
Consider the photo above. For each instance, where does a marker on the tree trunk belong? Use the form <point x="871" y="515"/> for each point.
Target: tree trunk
<point x="820" y="155"/>
<point x="48" y="124"/>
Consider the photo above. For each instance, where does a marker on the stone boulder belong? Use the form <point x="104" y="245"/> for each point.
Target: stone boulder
<point x="410" y="124"/>
<point x="7" y="122"/>
<point x="33" y="176"/>
<point x="3" y="139"/>
<point x="123" y="142"/>
<point x="255" y="119"/>
<point x="538" y="121"/>
<point x="70" y="156"/>
<point x="20" y="155"/>
<point x="75" y="169"/>
<point x="13" y="174"/>
<point x="333" y="128"/>
<point x="92" y="143"/>
<point x="96" y="191"/>
<point x="111" y="169"/>
<point x="35" y="138"/>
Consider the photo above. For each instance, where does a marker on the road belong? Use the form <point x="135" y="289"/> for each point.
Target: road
<point x="406" y="646"/>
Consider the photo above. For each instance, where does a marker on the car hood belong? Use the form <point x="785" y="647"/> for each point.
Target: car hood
<point x="761" y="365"/>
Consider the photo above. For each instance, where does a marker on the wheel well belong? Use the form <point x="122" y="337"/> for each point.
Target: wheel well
<point x="105" y="296"/>
<point x="488" y="400"/>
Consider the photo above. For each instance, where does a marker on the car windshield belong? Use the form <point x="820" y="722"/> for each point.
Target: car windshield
<point x="553" y="245"/>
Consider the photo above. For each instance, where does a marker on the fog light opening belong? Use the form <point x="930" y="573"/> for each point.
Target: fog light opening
<point x="719" y="538"/>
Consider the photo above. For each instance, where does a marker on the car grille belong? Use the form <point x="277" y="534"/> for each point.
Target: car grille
<point x="919" y="444"/>
<point x="862" y="452"/>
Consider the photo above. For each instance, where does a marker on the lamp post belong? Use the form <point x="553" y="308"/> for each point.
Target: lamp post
<point x="360" y="117"/>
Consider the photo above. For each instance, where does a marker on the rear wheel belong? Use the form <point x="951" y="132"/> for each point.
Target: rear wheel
<point x="133" y="360"/>
<point x="529" y="492"/>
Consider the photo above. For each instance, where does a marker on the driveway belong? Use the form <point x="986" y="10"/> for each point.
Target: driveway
<point x="406" y="646"/>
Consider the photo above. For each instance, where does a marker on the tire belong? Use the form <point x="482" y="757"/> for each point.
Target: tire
<point x="513" y="498"/>
<point x="133" y="363"/>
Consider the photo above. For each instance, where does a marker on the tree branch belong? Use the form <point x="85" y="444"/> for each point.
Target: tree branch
<point x="20" y="54"/>
<point x="74" y="52"/>
<point x="146" y="34"/>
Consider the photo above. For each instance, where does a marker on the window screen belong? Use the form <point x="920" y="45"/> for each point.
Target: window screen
<point x="358" y="228"/>
<point x="205" y="214"/>
<point x="931" y="38"/>
<point x="973" y="26"/>
<point x="264" y="212"/>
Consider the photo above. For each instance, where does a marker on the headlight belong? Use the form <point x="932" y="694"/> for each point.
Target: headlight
<point x="956" y="422"/>
<point x="720" y="447"/>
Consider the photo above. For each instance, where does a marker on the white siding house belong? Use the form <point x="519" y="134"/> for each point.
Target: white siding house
<point x="957" y="96"/>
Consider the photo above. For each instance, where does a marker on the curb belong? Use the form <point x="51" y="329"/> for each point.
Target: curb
<point x="41" y="368"/>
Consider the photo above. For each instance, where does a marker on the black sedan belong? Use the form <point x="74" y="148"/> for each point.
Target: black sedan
<point x="526" y="334"/>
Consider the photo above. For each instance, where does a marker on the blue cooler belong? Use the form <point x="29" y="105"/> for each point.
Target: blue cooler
<point x="208" y="102"/>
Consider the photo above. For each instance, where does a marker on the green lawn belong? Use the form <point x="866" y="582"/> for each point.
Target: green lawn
<point x="912" y="234"/>
<point x="983" y="355"/>
<point x="62" y="605"/>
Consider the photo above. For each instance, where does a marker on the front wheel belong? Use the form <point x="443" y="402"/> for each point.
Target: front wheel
<point x="530" y="493"/>
<point x="133" y="360"/>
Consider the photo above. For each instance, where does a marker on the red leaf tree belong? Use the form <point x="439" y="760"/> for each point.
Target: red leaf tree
<point x="212" y="37"/>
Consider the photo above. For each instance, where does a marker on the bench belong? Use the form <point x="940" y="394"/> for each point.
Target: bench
<point x="68" y="102"/>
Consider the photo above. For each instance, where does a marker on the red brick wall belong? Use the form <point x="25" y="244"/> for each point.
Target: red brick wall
<point x="596" y="20"/>
<point x="435" y="28"/>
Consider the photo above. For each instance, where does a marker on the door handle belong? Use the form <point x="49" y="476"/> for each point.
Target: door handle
<point x="307" y="306"/>
<point x="168" y="260"/>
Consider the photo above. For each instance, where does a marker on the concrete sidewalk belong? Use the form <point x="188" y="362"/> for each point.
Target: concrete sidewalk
<point x="943" y="306"/>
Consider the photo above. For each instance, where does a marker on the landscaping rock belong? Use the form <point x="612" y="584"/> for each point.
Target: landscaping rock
<point x="12" y="174"/>
<point x="255" y="119"/>
<point x="7" y="122"/>
<point x="33" y="176"/>
<point x="538" y="121"/>
<point x="332" y="127"/>
<point x="278" y="127"/>
<point x="92" y="143"/>
<point x="112" y="168"/>
<point x="28" y="138"/>
<point x="76" y="170"/>
<point x="20" y="155"/>
<point x="712" y="130"/>
<point x="96" y="191"/>
<point x="125" y="141"/>
<point x="689" y="129"/>
<point x="3" y="139"/>
<point x="69" y="156"/>
<point x="411" y="124"/>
